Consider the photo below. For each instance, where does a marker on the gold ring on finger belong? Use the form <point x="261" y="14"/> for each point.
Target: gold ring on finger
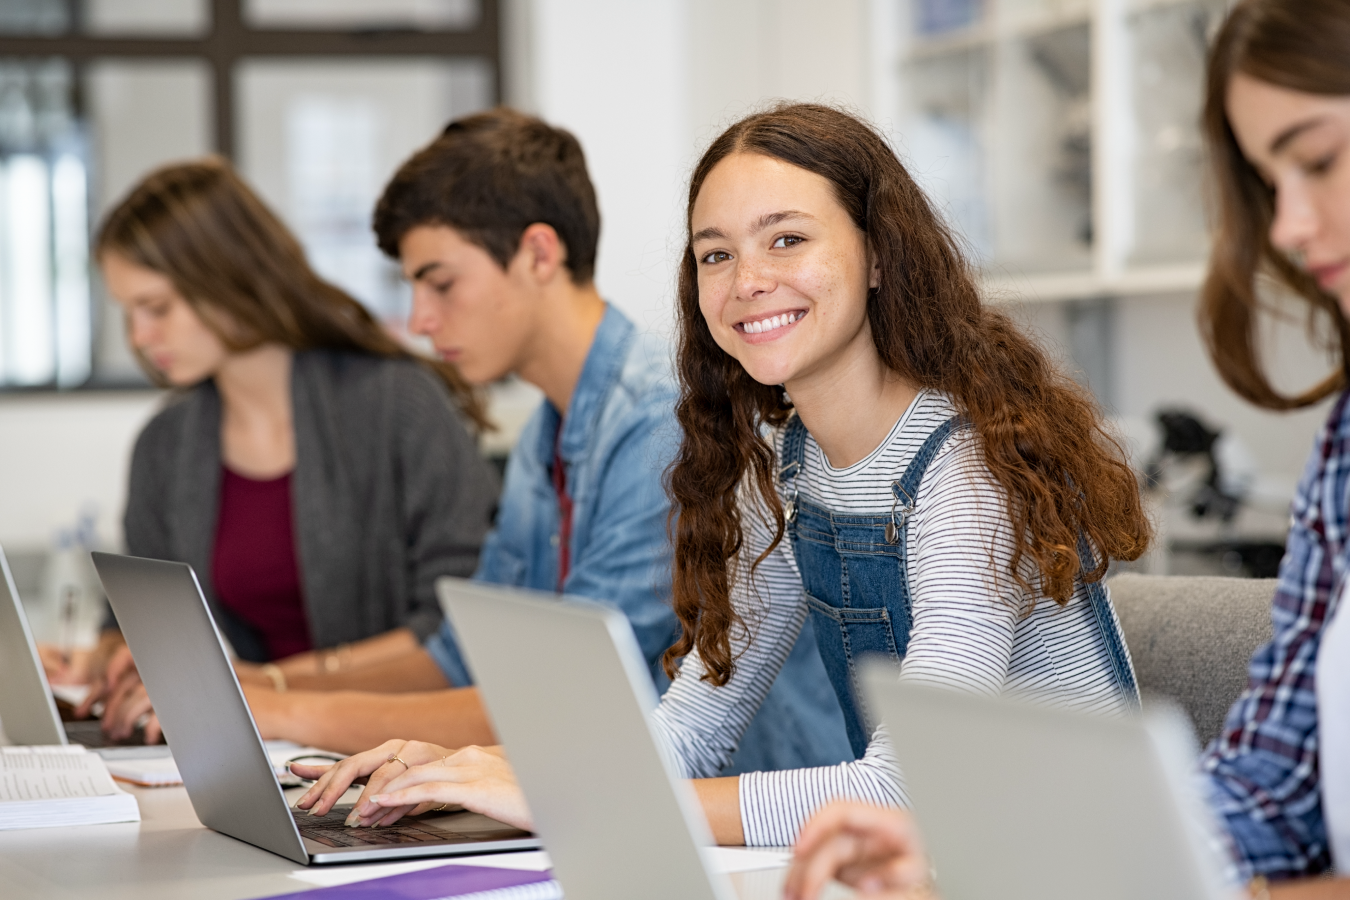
<point x="393" y="757"/>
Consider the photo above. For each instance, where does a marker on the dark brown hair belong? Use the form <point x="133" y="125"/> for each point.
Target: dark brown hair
<point x="490" y="176"/>
<point x="234" y="262"/>
<point x="1303" y="45"/>
<point x="1041" y="434"/>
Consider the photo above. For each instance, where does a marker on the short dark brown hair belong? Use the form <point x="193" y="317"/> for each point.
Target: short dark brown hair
<point x="1301" y="45"/>
<point x="490" y="176"/>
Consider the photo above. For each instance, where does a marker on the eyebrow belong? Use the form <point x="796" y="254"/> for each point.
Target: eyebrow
<point x="424" y="270"/>
<point x="765" y="221"/>
<point x="1285" y="137"/>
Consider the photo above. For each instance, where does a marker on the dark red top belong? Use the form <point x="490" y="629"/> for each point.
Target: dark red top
<point x="253" y="566"/>
<point x="564" y="511"/>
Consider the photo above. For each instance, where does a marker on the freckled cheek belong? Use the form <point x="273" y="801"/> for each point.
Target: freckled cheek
<point x="825" y="282"/>
<point x="712" y="301"/>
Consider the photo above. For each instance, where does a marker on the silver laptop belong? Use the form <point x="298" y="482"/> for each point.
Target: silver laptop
<point x="1021" y="801"/>
<point x="182" y="661"/>
<point x="29" y="712"/>
<point x="570" y="695"/>
<point x="27" y="708"/>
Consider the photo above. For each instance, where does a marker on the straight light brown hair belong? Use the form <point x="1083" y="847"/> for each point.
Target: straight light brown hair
<point x="1041" y="434"/>
<point x="245" y="274"/>
<point x="1302" y="45"/>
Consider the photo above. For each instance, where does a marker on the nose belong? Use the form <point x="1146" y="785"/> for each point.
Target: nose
<point x="423" y="319"/>
<point x="754" y="278"/>
<point x="140" y="331"/>
<point x="1295" y="222"/>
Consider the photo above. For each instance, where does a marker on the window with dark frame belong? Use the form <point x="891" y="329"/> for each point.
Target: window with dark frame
<point x="61" y="59"/>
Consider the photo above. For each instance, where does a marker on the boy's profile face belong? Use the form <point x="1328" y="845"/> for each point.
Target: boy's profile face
<point x="477" y="314"/>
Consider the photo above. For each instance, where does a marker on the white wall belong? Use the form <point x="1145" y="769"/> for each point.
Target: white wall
<point x="62" y="454"/>
<point x="612" y="72"/>
<point x="646" y="86"/>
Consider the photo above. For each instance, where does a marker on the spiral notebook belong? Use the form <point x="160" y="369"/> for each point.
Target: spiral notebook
<point x="442" y="883"/>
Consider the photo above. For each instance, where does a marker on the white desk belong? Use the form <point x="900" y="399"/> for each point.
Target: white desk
<point x="169" y="855"/>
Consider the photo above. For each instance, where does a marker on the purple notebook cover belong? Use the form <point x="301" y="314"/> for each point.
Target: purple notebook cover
<point x="428" y="884"/>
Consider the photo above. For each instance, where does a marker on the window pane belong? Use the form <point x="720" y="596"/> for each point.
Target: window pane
<point x="70" y="253"/>
<point x="320" y="139"/>
<point x="318" y="14"/>
<point x="153" y="17"/>
<point x="44" y="278"/>
<point x="27" y="352"/>
<point x="143" y="113"/>
<point x="41" y="17"/>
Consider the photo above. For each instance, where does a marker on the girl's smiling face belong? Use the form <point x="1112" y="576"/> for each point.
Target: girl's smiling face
<point x="1300" y="145"/>
<point x="783" y="272"/>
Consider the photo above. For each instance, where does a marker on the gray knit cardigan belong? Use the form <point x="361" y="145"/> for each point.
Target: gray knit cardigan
<point x="388" y="493"/>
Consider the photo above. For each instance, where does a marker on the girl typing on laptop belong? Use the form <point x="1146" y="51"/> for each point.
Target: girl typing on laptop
<point x="867" y="444"/>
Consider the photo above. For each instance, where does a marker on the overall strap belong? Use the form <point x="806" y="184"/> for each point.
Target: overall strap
<point x="907" y="487"/>
<point x="1108" y="626"/>
<point x="794" y="449"/>
<point x="794" y="454"/>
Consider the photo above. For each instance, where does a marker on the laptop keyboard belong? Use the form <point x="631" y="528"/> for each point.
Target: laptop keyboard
<point x="89" y="732"/>
<point x="330" y="831"/>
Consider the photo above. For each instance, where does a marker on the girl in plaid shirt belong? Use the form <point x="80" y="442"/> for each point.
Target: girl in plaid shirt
<point x="1277" y="122"/>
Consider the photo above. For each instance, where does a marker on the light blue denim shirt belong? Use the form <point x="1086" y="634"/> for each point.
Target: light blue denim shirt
<point x="618" y="439"/>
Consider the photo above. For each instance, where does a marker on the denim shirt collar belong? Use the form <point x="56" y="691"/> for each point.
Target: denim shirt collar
<point x="604" y="363"/>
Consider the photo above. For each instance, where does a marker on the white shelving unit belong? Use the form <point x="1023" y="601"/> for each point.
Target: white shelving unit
<point x="1061" y="136"/>
<point x="1062" y="139"/>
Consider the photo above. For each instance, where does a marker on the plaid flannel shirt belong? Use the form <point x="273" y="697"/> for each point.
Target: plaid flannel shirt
<point x="1261" y="772"/>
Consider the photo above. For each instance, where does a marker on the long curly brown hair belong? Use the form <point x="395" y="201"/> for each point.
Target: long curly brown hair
<point x="1041" y="434"/>
<point x="1302" y="45"/>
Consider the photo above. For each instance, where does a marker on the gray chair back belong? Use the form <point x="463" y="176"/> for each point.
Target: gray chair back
<point x="1191" y="638"/>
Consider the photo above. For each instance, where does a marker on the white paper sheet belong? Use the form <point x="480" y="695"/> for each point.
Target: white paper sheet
<point x="52" y="773"/>
<point x="59" y="786"/>
<point x="162" y="771"/>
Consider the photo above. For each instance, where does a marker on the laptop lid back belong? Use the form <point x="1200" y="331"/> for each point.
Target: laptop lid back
<point x="182" y="661"/>
<point x="1021" y="801"/>
<point x="569" y="695"/>
<point x="27" y="709"/>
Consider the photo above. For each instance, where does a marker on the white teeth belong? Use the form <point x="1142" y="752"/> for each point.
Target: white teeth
<point x="771" y="323"/>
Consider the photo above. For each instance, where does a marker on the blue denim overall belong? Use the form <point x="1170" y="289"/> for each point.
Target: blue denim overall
<point x="855" y="574"/>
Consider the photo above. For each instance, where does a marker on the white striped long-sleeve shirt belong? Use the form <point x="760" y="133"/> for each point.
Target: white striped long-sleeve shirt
<point x="970" y="631"/>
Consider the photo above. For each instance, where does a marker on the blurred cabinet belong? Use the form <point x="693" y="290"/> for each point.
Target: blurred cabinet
<point x="1061" y="137"/>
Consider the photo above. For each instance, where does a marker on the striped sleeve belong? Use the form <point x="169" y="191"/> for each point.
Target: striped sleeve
<point x="775" y="805"/>
<point x="703" y="724"/>
<point x="965" y="602"/>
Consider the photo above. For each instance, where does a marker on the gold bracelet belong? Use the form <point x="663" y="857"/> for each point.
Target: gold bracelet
<point x="273" y="671"/>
